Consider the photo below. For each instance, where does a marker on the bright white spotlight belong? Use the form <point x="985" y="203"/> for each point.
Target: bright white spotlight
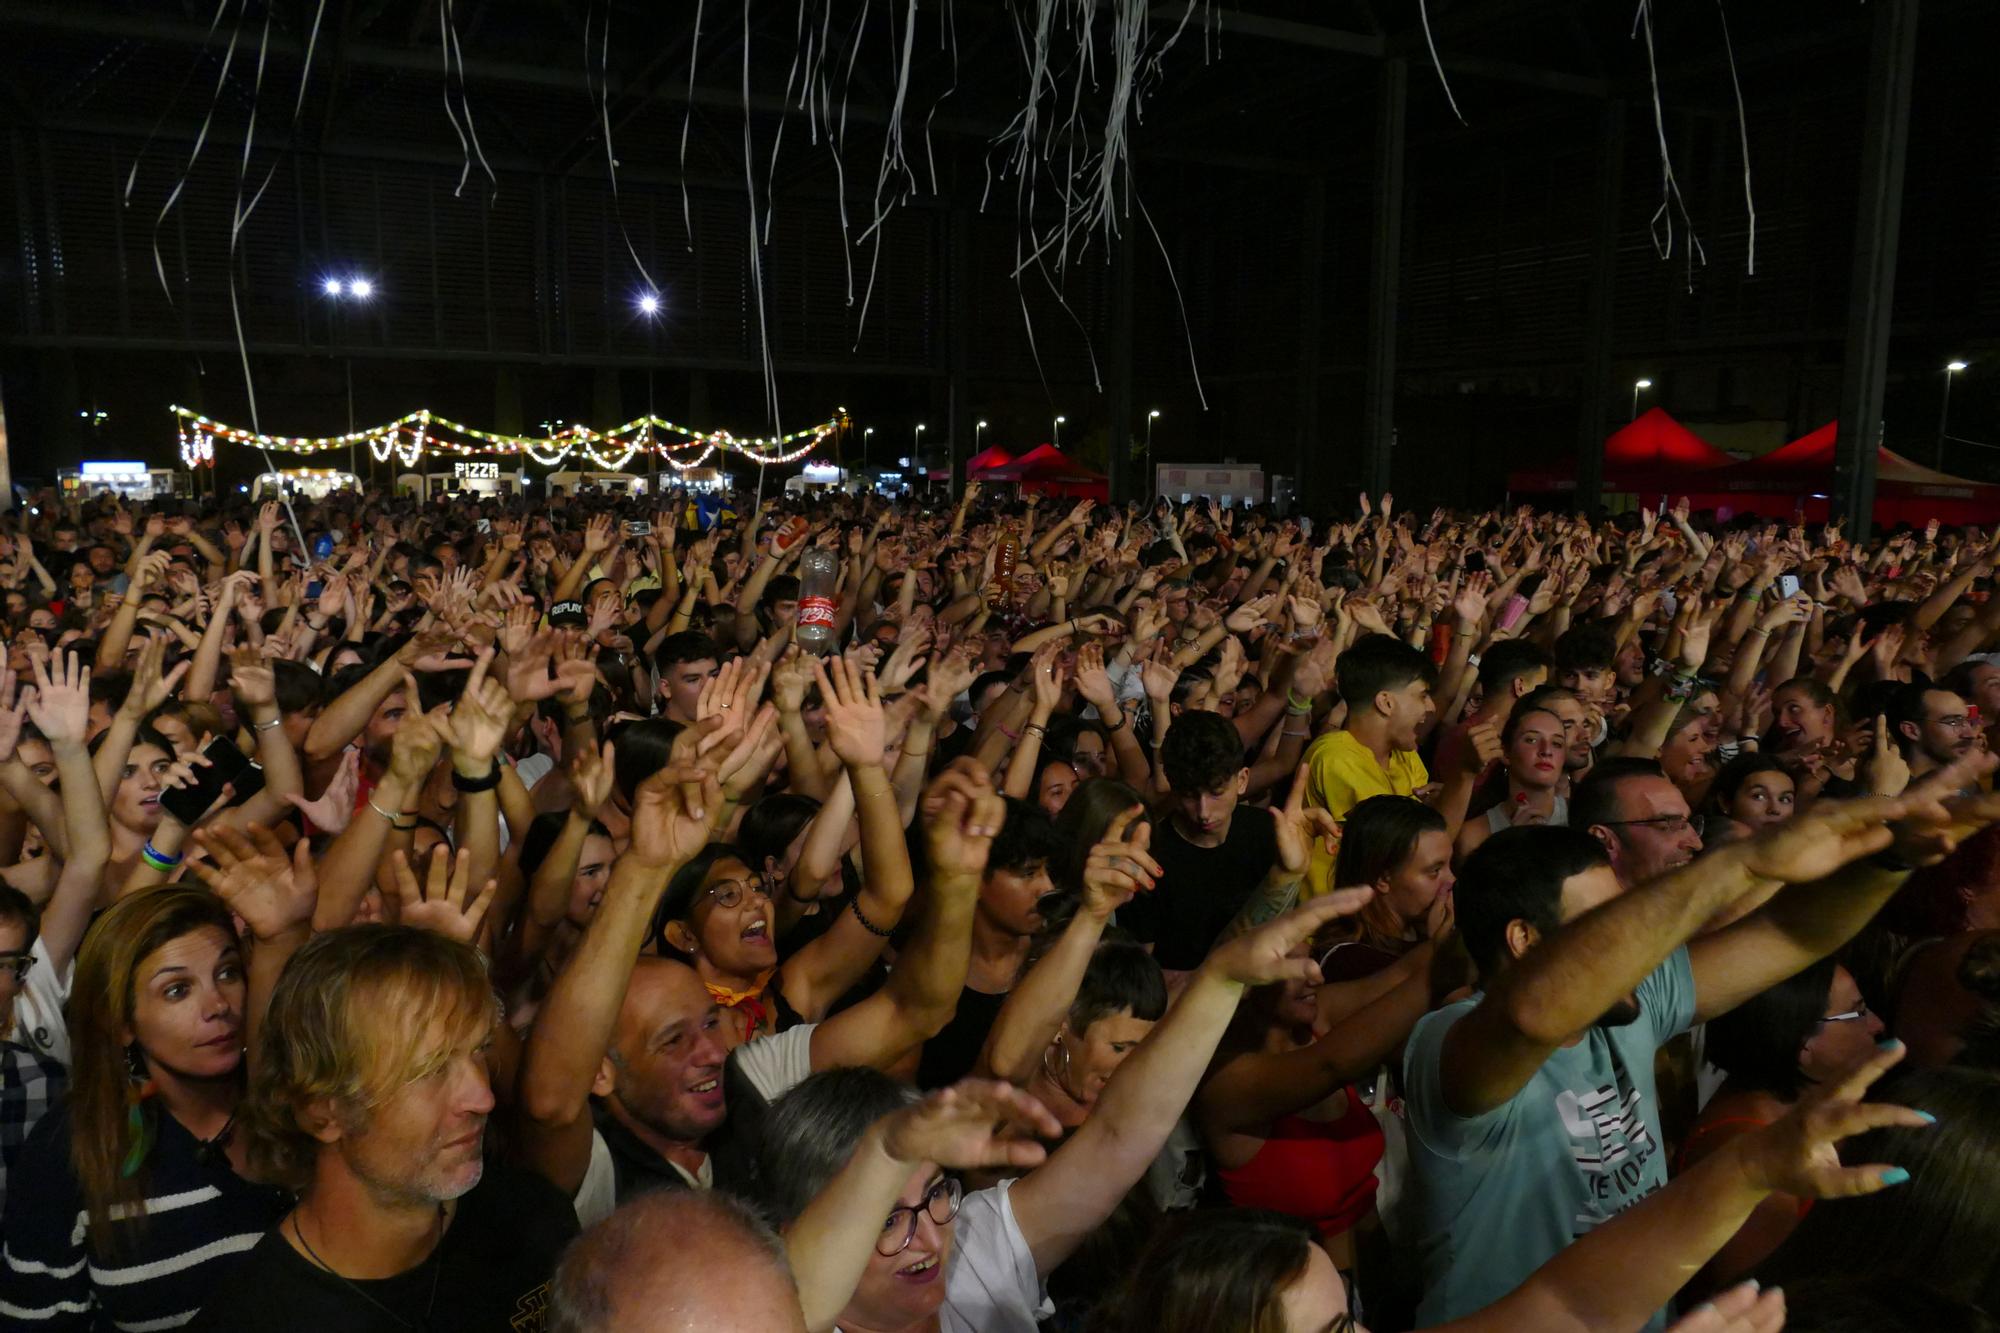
<point x="1954" y="366"/>
<point x="331" y="287"/>
<point x="649" y="304"/>
<point x="1642" y="384"/>
<point x="361" y="289"/>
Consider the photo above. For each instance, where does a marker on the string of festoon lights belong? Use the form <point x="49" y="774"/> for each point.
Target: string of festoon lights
<point x="410" y="437"/>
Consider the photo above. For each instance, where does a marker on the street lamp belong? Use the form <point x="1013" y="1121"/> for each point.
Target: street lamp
<point x="864" y="447"/>
<point x="353" y="289"/>
<point x="1151" y="417"/>
<point x="1059" y="426"/>
<point x="978" y="429"/>
<point x="917" y="452"/>
<point x="1944" y="411"/>
<point x="1637" y="385"/>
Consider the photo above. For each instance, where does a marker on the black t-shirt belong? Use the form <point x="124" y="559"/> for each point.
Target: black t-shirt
<point x="953" y="1053"/>
<point x="1201" y="888"/>
<point x="496" y="1260"/>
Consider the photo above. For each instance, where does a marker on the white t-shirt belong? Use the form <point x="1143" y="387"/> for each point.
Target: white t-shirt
<point x="777" y="1063"/>
<point x="990" y="1282"/>
<point x="38" y="1008"/>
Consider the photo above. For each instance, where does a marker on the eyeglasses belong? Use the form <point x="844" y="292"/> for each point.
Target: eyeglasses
<point x="1854" y="1015"/>
<point x="17" y="962"/>
<point x="1664" y="823"/>
<point x="1958" y="722"/>
<point x="730" y="892"/>
<point x="901" y="1228"/>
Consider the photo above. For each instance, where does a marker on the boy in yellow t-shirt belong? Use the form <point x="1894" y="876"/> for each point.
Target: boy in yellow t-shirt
<point x="1386" y="685"/>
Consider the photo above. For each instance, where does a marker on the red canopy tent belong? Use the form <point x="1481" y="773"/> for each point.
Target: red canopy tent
<point x="986" y="460"/>
<point x="1048" y="470"/>
<point x="1652" y="453"/>
<point x="1799" y="477"/>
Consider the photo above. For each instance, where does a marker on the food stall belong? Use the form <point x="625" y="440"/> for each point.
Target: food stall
<point x="133" y="480"/>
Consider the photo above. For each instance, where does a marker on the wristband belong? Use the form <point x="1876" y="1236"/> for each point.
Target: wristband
<point x="479" y="784"/>
<point x="854" y="905"/>
<point x="1295" y="704"/>
<point x="266" y="726"/>
<point x="157" y="859"/>
<point x="395" y="821"/>
<point x="1035" y="729"/>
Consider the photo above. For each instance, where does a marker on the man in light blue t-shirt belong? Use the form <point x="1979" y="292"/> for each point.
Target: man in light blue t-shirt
<point x="1531" y="1107"/>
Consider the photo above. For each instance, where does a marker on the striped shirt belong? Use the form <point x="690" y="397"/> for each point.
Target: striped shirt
<point x="200" y="1219"/>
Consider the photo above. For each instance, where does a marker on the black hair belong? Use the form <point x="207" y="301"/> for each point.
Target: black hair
<point x="1378" y="662"/>
<point x="1508" y="661"/>
<point x="640" y="750"/>
<point x="1758" y="1041"/>
<point x="1730" y="779"/>
<point x="1121" y="975"/>
<point x="769" y="826"/>
<point x="690" y="645"/>
<point x="1027" y="840"/>
<point x="1879" y="1303"/>
<point x="1907" y="705"/>
<point x="1587" y="648"/>
<point x="1595" y="800"/>
<point x="298" y="685"/>
<point x="1202" y="752"/>
<point x="1518" y="875"/>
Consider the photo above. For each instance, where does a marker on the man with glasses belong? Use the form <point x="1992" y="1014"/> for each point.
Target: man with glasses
<point x="1640" y="817"/>
<point x="1933" y="727"/>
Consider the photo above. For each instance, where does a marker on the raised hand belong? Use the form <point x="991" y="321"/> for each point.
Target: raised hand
<point x="528" y="676"/>
<point x="248" y="869"/>
<point x="1270" y="952"/>
<point x="590" y="779"/>
<point x="444" y="903"/>
<point x="253" y="679"/>
<point x="1298" y="825"/>
<point x="856" y="727"/>
<point x="480" y="720"/>
<point x="670" y="815"/>
<point x="1797" y="1153"/>
<point x="149" y="688"/>
<point x="1120" y="866"/>
<point x="333" y="809"/>
<point x="974" y="1124"/>
<point x="59" y="701"/>
<point x="962" y="814"/>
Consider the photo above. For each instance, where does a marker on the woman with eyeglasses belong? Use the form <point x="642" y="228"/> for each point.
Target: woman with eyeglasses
<point x="717" y="911"/>
<point x="1797" y="1035"/>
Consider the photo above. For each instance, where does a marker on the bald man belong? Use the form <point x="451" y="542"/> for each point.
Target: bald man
<point x="652" y="1266"/>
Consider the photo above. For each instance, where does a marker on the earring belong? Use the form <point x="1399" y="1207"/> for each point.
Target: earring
<point x="139" y="1129"/>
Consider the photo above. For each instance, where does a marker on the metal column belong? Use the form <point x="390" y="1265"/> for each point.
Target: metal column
<point x="1312" y="303"/>
<point x="1378" y="409"/>
<point x="1871" y="294"/>
<point x="1593" y="407"/>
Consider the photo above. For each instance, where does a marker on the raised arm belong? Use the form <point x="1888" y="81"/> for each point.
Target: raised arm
<point x="857" y="730"/>
<point x="1118" y="867"/>
<point x="1085" y="1178"/>
<point x="566" y="1049"/>
<point x="962" y="814"/>
<point x="1618" y="1275"/>
<point x="59" y="704"/>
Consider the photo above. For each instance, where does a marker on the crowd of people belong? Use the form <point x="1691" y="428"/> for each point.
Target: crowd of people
<point x="993" y="913"/>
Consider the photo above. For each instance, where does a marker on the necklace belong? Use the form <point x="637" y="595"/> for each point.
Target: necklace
<point x="435" y="1260"/>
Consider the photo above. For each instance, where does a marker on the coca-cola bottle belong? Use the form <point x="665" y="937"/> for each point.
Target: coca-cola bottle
<point x="817" y="569"/>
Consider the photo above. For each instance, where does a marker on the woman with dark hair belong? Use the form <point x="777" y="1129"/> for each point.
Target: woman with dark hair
<point x="127" y="1205"/>
<point x="1755" y="790"/>
<point x="716" y="912"/>
<point x="1532" y="746"/>
<point x="1401" y="848"/>
<point x="1773" y="1046"/>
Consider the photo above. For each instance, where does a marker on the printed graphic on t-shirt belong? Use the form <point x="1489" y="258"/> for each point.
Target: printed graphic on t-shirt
<point x="531" y="1312"/>
<point x="1611" y="1145"/>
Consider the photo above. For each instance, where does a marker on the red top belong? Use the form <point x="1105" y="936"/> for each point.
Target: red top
<point x="1322" y="1171"/>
